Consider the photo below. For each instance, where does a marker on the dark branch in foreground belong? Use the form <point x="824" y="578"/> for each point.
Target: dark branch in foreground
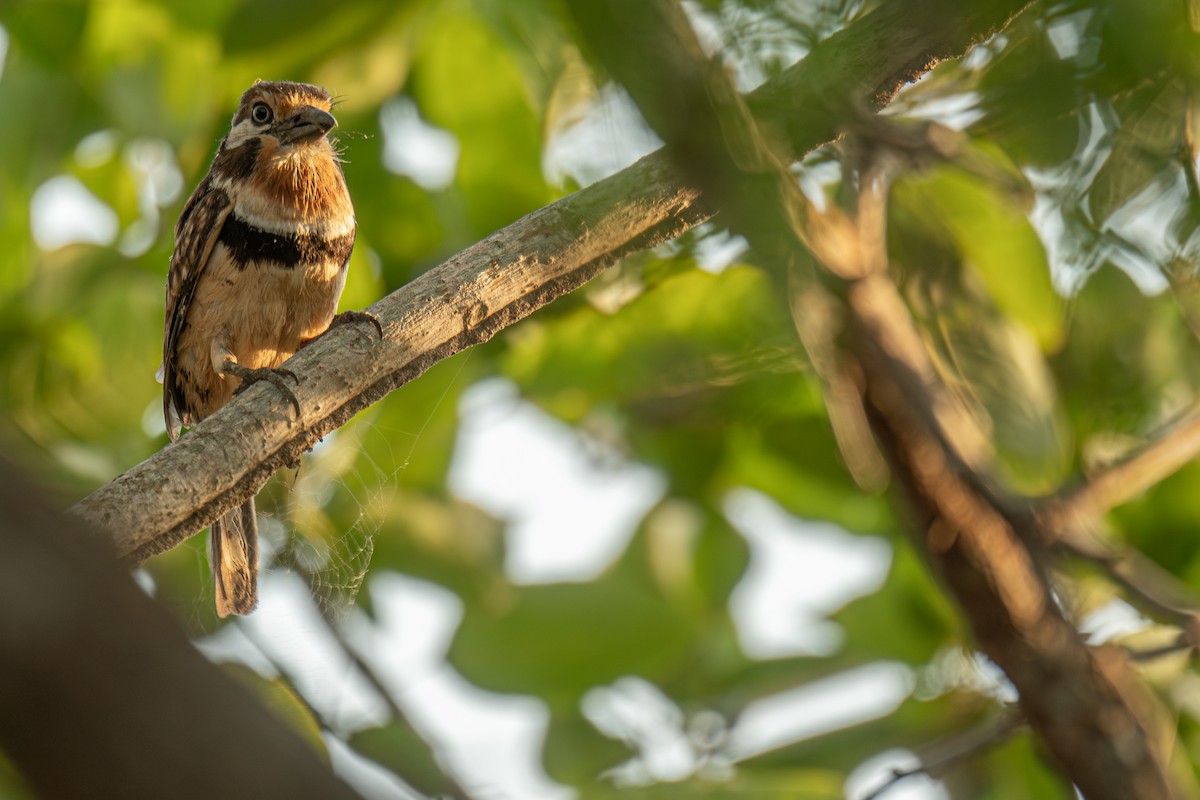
<point x="512" y="273"/>
<point x="101" y="694"/>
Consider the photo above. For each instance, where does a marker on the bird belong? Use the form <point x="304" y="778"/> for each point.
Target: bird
<point x="259" y="263"/>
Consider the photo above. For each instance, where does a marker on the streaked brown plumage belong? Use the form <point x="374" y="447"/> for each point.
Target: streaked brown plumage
<point x="260" y="258"/>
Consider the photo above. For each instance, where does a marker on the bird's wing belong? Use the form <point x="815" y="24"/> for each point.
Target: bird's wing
<point x="196" y="234"/>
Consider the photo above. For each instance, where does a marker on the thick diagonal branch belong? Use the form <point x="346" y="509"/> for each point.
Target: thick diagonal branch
<point x="517" y="270"/>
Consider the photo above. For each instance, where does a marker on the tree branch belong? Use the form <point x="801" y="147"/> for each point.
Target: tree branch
<point x="512" y="273"/>
<point x="1070" y="523"/>
<point x="101" y="694"/>
<point x="1167" y="452"/>
<point x="461" y="303"/>
<point x="938" y="759"/>
<point x="1085" y="704"/>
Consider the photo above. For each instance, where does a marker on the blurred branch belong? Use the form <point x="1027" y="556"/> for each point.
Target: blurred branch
<point x="1166" y="453"/>
<point x="1153" y="588"/>
<point x="430" y="778"/>
<point x="938" y="759"/>
<point x="101" y="694"/>
<point x="509" y="275"/>
<point x="1069" y="522"/>
<point x="1085" y="704"/>
<point x="1181" y="643"/>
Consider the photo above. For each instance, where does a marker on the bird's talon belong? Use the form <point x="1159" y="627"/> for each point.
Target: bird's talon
<point x="276" y="377"/>
<point x="358" y="316"/>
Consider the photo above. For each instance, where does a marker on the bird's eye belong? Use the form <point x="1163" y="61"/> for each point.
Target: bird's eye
<point x="261" y="113"/>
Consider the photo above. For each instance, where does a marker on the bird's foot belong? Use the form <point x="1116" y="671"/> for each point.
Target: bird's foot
<point x="347" y="317"/>
<point x="273" y="375"/>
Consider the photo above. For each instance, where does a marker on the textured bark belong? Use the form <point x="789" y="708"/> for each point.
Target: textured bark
<point x="517" y="270"/>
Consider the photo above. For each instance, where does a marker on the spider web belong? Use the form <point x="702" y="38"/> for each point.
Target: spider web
<point x="334" y="564"/>
<point x="341" y="479"/>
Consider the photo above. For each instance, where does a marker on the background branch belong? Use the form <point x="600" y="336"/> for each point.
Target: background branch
<point x="1164" y="454"/>
<point x="940" y="758"/>
<point x="1086" y="705"/>
<point x="1070" y="522"/>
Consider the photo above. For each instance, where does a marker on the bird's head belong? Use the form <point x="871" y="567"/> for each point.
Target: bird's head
<point x="278" y="158"/>
<point x="283" y="115"/>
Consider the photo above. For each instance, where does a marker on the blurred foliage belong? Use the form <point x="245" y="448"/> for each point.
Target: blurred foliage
<point x="1044" y="297"/>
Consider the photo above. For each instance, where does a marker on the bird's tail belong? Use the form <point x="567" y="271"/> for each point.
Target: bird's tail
<point x="234" y="544"/>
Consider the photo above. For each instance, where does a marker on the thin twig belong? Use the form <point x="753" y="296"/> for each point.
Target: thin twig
<point x="1153" y="588"/>
<point x="957" y="749"/>
<point x="1180" y="645"/>
<point x="1160" y="457"/>
<point x="285" y="675"/>
<point x="450" y="787"/>
<point x="1069" y="523"/>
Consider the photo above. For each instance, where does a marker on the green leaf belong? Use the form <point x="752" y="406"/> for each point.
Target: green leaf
<point x="306" y="26"/>
<point x="1125" y="356"/>
<point x="397" y="219"/>
<point x="557" y="641"/>
<point x="688" y="552"/>
<point x="909" y="619"/>
<point x="414" y="429"/>
<point x="575" y="753"/>
<point x="1145" y="147"/>
<point x="993" y="366"/>
<point x="49" y="31"/>
<point x="1031" y="98"/>
<point x="446" y="541"/>
<point x="676" y="345"/>
<point x="995" y="239"/>
<point x="465" y="80"/>
<point x="796" y="462"/>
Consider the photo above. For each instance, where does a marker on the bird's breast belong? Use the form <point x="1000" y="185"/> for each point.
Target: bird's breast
<point x="291" y="247"/>
<point x="292" y="196"/>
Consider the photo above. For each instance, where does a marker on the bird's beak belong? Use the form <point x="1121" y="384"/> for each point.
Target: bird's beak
<point x="306" y="124"/>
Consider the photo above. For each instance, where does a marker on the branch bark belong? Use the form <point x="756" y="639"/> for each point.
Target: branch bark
<point x="101" y="694"/>
<point x="502" y="279"/>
